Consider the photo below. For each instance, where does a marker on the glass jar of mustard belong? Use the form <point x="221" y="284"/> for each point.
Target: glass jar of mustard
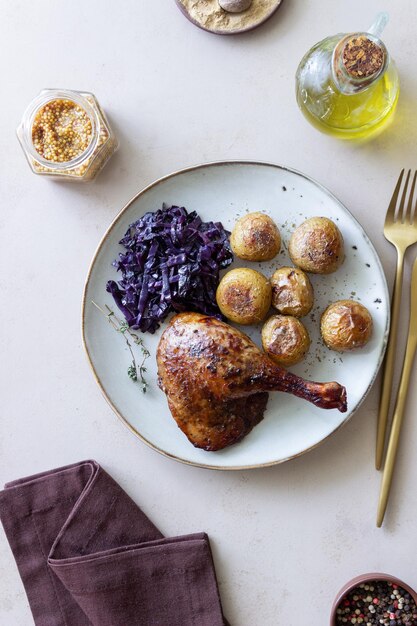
<point x="65" y="134"/>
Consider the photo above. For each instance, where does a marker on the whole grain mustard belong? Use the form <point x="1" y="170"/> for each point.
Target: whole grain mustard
<point x="65" y="134"/>
<point x="61" y="131"/>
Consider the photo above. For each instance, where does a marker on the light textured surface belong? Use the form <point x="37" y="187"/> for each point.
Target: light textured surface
<point x="284" y="539"/>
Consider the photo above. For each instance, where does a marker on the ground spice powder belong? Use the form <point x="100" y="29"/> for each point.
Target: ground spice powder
<point x="209" y="14"/>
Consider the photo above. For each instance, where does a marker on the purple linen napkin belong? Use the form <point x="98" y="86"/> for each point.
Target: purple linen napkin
<point x="88" y="556"/>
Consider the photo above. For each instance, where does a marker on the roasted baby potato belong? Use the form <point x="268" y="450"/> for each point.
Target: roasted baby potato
<point x="255" y="237"/>
<point x="244" y="296"/>
<point x="292" y="292"/>
<point x="317" y="246"/>
<point x="285" y="339"/>
<point x="346" y="325"/>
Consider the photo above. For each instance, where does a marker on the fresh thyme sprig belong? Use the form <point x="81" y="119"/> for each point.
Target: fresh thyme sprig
<point x="135" y="371"/>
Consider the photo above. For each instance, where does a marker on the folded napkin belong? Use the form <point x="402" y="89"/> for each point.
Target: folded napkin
<point x="87" y="555"/>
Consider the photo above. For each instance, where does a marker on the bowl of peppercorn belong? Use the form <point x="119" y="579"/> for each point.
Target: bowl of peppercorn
<point x="375" y="600"/>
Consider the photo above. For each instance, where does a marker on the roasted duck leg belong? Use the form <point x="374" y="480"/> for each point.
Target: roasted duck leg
<point x="216" y="381"/>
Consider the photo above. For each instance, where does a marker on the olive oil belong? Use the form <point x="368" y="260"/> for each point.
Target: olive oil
<point x="343" y="98"/>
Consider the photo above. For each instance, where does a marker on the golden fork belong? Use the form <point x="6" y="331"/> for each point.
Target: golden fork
<point x="400" y="229"/>
<point x="400" y="402"/>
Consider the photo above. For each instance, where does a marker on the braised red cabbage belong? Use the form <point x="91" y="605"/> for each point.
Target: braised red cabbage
<point x="172" y="263"/>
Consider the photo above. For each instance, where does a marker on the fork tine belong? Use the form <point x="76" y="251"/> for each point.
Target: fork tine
<point x="393" y="203"/>
<point x="400" y="213"/>
<point x="413" y="214"/>
<point x="408" y="214"/>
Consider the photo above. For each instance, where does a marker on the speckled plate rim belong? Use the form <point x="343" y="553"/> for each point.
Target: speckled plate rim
<point x="228" y="32"/>
<point x="113" y="225"/>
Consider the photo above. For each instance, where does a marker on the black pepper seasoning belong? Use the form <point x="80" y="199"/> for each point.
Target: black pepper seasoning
<point x="377" y="603"/>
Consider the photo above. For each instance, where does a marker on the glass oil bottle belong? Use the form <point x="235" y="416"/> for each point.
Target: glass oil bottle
<point x="347" y="85"/>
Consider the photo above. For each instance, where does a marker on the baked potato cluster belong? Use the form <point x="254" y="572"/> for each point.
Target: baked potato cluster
<point x="245" y="296"/>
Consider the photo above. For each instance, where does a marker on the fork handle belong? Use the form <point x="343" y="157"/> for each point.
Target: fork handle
<point x="389" y="362"/>
<point x="395" y="430"/>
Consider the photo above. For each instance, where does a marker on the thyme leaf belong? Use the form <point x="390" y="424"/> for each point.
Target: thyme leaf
<point x="136" y="371"/>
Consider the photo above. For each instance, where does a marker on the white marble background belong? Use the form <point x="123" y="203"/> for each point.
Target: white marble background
<point x="286" y="538"/>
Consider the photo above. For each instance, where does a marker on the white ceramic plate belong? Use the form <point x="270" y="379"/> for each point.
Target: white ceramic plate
<point x="224" y="191"/>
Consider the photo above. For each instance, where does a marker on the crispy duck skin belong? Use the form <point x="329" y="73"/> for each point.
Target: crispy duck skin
<point x="216" y="381"/>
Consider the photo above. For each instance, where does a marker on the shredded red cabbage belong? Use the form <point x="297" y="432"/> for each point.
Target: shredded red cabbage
<point x="172" y="263"/>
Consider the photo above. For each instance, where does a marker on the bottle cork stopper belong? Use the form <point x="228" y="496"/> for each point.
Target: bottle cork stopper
<point x="362" y="57"/>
